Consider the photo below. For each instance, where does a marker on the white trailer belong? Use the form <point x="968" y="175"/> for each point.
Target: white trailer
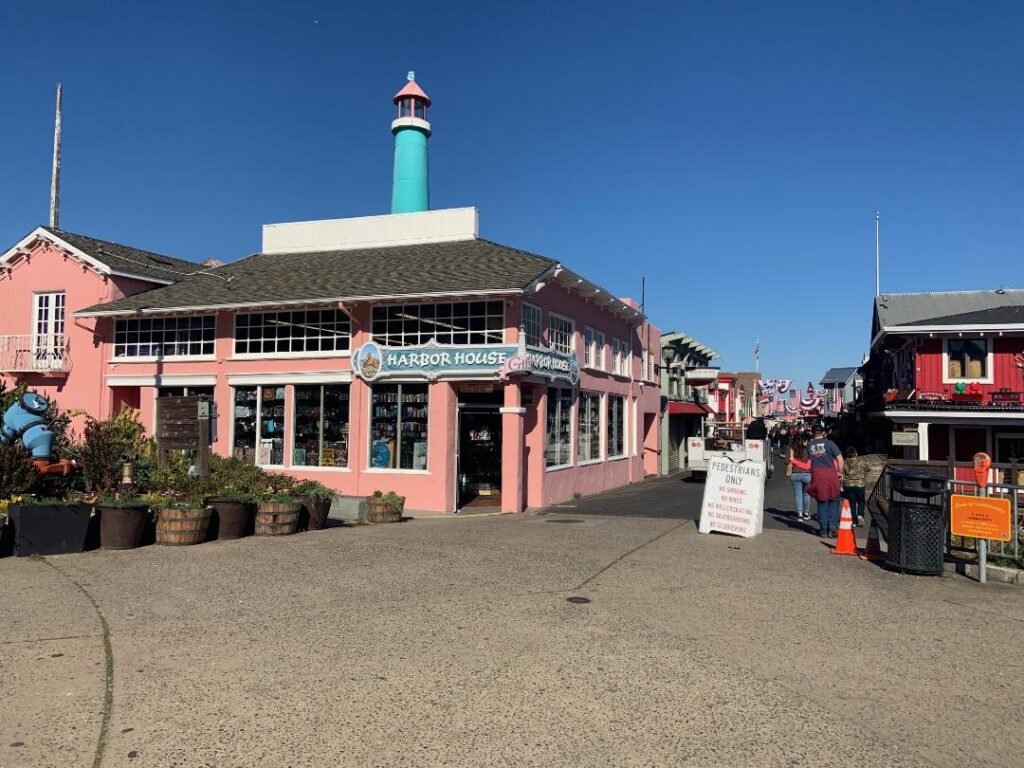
<point x="726" y="440"/>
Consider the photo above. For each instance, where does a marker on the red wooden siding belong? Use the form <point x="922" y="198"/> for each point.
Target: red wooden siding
<point x="1007" y="374"/>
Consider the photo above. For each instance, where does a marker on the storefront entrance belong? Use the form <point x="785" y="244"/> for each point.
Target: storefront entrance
<point x="478" y="464"/>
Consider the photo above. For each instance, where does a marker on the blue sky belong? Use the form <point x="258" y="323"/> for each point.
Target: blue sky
<point x="733" y="153"/>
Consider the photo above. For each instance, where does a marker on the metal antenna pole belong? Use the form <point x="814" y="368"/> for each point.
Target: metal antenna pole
<point x="878" y="263"/>
<point x="55" y="172"/>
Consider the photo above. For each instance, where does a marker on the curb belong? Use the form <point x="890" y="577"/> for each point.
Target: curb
<point x="995" y="573"/>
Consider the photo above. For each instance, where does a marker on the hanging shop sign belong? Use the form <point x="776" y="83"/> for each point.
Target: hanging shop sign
<point x="432" y="361"/>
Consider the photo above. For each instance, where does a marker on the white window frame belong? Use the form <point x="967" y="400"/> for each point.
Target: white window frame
<point x="127" y="357"/>
<point x="387" y="336"/>
<point x="580" y="410"/>
<point x="599" y="341"/>
<point x="286" y="420"/>
<point x="588" y="346"/>
<point x="989" y="377"/>
<point x="348" y="452"/>
<point x="528" y="319"/>
<point x="245" y="355"/>
<point x="398" y="429"/>
<point x="572" y="429"/>
<point x="555" y="334"/>
<point x="622" y="427"/>
<point x="48" y="344"/>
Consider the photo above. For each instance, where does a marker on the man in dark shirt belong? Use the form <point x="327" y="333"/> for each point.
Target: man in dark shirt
<point x="826" y="486"/>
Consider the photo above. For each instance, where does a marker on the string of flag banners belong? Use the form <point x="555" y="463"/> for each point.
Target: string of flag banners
<point x="779" y="398"/>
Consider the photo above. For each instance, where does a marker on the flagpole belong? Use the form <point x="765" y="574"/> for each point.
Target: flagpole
<point x="878" y="279"/>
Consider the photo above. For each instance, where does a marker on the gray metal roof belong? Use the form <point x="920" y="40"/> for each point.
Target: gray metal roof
<point x="946" y="308"/>
<point x="838" y="375"/>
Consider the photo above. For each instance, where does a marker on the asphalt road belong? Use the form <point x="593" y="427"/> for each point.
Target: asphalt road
<point x="678" y="498"/>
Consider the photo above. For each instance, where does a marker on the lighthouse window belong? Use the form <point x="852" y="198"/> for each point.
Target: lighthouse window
<point x="314" y="330"/>
<point x="462" y="322"/>
<point x="420" y="110"/>
<point x="405" y="108"/>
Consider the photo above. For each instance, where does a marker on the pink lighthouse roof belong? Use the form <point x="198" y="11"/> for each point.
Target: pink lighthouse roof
<point x="412" y="89"/>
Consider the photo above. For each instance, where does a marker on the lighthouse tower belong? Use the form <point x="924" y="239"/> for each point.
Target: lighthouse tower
<point x="411" y="190"/>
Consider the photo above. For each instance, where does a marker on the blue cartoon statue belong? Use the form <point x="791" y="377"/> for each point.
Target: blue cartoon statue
<point x="26" y="420"/>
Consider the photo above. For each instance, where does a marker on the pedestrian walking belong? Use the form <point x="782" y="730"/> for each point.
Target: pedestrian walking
<point x="855" y="476"/>
<point x="826" y="485"/>
<point x="798" y="470"/>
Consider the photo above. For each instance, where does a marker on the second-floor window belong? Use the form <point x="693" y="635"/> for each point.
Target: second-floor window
<point x="165" y="337"/>
<point x="589" y="351"/>
<point x="302" y="331"/>
<point x="968" y="358"/>
<point x="460" y="322"/>
<point x="532" y="325"/>
<point x="560" y="333"/>
<point x="48" y="315"/>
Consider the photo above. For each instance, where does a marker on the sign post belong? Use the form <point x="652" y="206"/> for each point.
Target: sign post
<point x="733" y="497"/>
<point x="980" y="517"/>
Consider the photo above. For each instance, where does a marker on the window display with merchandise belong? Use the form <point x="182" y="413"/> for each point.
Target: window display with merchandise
<point x="398" y="426"/>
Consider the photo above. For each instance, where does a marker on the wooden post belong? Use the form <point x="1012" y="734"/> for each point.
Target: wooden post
<point x="203" y="447"/>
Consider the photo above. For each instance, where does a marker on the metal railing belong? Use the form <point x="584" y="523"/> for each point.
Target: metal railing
<point x="29" y="352"/>
<point x="1012" y="490"/>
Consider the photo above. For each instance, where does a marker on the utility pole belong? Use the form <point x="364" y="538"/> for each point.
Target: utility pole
<point x="55" y="172"/>
<point x="878" y="263"/>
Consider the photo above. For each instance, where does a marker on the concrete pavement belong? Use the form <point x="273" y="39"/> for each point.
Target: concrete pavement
<point x="450" y="642"/>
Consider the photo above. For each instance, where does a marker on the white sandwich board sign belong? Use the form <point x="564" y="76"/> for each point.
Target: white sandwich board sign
<point x="733" y="497"/>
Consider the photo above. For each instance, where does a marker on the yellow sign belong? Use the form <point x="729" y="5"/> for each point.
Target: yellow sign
<point x="980" y="517"/>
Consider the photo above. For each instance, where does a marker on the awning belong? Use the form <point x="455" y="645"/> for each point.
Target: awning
<point x="677" y="408"/>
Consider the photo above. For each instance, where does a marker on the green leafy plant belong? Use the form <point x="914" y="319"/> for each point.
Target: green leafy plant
<point x="122" y="501"/>
<point x="233" y="476"/>
<point x="17" y="475"/>
<point x="393" y="501"/>
<point x="280" y="497"/>
<point x="106" y="445"/>
<point x="313" y="489"/>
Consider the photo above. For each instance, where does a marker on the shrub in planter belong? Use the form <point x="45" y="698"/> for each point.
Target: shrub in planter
<point x="48" y="526"/>
<point x="384" y="507"/>
<point x="17" y="475"/>
<point x="232" y="515"/>
<point x="183" y="522"/>
<point x="316" y="501"/>
<point x="278" y="514"/>
<point x="105" y="447"/>
<point x="122" y="521"/>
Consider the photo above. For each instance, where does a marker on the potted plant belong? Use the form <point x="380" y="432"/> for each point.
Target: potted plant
<point x="316" y="501"/>
<point x="384" y="507"/>
<point x="232" y="515"/>
<point x="182" y="520"/>
<point x="47" y="526"/>
<point x="122" y="520"/>
<point x="277" y="510"/>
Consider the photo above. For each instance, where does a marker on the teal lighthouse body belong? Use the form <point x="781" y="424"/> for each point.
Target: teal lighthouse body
<point x="411" y="190"/>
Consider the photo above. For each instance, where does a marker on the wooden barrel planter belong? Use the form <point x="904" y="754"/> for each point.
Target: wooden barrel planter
<point x="177" y="527"/>
<point x="314" y="513"/>
<point x="274" y="518"/>
<point x="231" y="519"/>
<point x="379" y="511"/>
<point x="122" y="527"/>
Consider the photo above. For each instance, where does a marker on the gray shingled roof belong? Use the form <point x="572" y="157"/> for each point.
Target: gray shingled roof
<point x="477" y="266"/>
<point x="947" y="308"/>
<point x="126" y="259"/>
<point x="838" y="375"/>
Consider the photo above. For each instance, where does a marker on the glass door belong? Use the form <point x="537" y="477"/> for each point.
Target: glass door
<point x="48" y="331"/>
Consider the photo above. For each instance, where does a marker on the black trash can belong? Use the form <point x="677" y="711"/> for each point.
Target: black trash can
<point x="917" y="521"/>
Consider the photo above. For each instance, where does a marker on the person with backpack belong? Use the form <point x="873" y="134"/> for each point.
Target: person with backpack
<point x="798" y="470"/>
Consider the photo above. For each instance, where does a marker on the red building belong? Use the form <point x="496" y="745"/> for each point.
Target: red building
<point x="948" y="368"/>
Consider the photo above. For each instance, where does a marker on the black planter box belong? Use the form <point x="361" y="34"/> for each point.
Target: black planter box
<point x="49" y="530"/>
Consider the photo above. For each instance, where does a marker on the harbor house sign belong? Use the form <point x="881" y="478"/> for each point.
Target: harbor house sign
<point x="433" y="361"/>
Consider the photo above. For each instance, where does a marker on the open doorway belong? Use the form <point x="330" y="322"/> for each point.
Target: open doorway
<point x="479" y="451"/>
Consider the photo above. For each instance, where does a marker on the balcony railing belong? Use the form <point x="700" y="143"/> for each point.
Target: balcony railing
<point x="31" y="353"/>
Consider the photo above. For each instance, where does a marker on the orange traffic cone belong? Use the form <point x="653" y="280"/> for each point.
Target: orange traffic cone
<point x="846" y="544"/>
<point x="873" y="551"/>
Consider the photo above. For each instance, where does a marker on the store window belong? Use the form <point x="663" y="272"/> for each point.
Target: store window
<point x="616" y="426"/>
<point x="599" y="350"/>
<point x="303" y="331"/>
<point x="968" y="358"/>
<point x="165" y="337"/>
<point x="559" y="447"/>
<point x="560" y="333"/>
<point x="462" y="322"/>
<point x="398" y="426"/>
<point x="321" y="425"/>
<point x="259" y="425"/>
<point x="589" y="440"/>
<point x="532" y="325"/>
